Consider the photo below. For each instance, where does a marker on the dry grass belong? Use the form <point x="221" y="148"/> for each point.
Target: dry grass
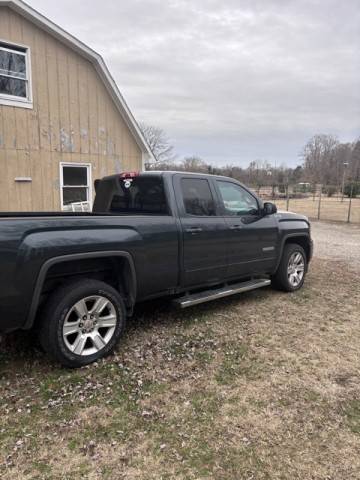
<point x="261" y="386"/>
<point x="331" y="208"/>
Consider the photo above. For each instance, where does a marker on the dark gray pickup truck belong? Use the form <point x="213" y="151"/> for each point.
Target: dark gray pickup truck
<point x="75" y="277"/>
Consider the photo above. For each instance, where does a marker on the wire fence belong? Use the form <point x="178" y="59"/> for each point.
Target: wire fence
<point x="322" y="202"/>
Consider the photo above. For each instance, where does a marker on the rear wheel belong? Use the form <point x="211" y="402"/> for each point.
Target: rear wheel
<point x="291" y="272"/>
<point x="82" y="322"/>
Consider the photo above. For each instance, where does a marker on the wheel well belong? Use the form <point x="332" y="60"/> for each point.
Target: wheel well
<point x="303" y="241"/>
<point x="116" y="271"/>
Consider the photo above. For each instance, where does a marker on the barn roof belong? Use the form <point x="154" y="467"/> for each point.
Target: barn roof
<point x="66" y="38"/>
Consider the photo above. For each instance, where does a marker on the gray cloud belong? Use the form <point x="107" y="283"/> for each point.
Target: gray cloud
<point x="231" y="81"/>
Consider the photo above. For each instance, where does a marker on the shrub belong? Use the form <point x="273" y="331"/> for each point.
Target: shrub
<point x="329" y="190"/>
<point x="352" y="189"/>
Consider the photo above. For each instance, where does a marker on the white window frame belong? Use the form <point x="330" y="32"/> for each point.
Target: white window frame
<point x="88" y="167"/>
<point x="13" y="100"/>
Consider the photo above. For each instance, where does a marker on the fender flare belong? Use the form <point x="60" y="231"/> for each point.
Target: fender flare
<point x="68" y="258"/>
<point x="283" y="241"/>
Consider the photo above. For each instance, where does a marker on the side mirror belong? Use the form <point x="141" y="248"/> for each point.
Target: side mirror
<point x="269" y="208"/>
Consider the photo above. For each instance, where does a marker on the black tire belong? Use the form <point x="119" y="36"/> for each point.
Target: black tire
<point x="281" y="280"/>
<point x="56" y="310"/>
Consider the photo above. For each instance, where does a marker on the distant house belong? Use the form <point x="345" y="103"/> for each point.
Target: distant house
<point x="63" y="121"/>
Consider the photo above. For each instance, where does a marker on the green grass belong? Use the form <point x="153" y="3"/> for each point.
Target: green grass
<point x="351" y="412"/>
<point x="237" y="361"/>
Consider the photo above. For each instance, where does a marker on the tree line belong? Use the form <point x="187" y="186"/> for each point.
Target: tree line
<point x="323" y="160"/>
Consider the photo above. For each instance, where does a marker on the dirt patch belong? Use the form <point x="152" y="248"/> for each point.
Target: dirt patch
<point x="337" y="242"/>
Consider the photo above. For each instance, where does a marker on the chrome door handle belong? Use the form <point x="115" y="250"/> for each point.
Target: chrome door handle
<point x="236" y="227"/>
<point x="193" y="230"/>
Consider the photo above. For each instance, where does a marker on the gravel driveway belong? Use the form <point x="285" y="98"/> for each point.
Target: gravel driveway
<point x="337" y="241"/>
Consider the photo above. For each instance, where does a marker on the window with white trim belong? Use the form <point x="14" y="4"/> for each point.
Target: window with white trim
<point x="15" y="75"/>
<point x="75" y="186"/>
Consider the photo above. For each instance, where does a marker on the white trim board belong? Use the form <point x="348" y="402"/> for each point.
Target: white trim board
<point x="66" y="38"/>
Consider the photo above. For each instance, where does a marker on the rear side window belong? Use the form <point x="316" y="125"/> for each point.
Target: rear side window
<point x="139" y="195"/>
<point x="198" y="199"/>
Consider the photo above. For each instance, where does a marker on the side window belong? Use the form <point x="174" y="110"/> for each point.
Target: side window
<point x="198" y="199"/>
<point x="75" y="184"/>
<point x="236" y="200"/>
<point x="15" y="77"/>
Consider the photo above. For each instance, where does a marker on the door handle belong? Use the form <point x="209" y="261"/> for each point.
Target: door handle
<point x="236" y="227"/>
<point x="193" y="230"/>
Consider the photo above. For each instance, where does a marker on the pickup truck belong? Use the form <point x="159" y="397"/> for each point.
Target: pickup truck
<point x="74" y="278"/>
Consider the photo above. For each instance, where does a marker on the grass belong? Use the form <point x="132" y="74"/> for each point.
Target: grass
<point x="264" y="386"/>
<point x="352" y="415"/>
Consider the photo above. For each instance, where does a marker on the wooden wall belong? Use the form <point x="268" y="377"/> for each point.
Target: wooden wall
<point x="73" y="120"/>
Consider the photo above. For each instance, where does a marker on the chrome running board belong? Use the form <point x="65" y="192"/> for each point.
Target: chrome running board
<point x="214" y="294"/>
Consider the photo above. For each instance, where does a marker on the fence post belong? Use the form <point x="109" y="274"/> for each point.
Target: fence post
<point x="349" y="210"/>
<point x="319" y="206"/>
<point x="287" y="197"/>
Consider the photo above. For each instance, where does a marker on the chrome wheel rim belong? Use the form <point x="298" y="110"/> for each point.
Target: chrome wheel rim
<point x="296" y="269"/>
<point x="89" y="325"/>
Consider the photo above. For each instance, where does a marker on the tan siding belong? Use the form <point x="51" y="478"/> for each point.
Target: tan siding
<point x="64" y="101"/>
<point x="24" y="189"/>
<point x="74" y="119"/>
<point x="93" y="111"/>
<point x="102" y="126"/>
<point x="38" y="194"/>
<point x="74" y="102"/>
<point x="41" y="90"/>
<point x="83" y="108"/>
<point x="10" y="134"/>
<point x="21" y="115"/>
<point x="45" y="160"/>
<point x="13" y="188"/>
<point x="4" y="182"/>
<point x="53" y="87"/>
<point x="29" y="38"/>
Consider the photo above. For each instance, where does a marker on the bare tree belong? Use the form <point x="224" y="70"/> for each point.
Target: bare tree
<point x="355" y="162"/>
<point x="325" y="160"/>
<point x="319" y="156"/>
<point x="260" y="172"/>
<point x="194" y="164"/>
<point x="159" y="144"/>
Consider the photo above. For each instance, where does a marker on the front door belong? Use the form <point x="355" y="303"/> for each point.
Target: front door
<point x="252" y="238"/>
<point x="204" y="231"/>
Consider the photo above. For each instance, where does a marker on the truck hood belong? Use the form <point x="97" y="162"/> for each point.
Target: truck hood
<point x="284" y="215"/>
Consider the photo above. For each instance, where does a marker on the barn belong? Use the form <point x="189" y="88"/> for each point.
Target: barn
<point x="63" y="121"/>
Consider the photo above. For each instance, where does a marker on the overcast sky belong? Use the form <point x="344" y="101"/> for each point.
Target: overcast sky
<point x="231" y="81"/>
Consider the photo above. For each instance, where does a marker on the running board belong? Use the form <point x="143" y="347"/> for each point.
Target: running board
<point x="214" y="294"/>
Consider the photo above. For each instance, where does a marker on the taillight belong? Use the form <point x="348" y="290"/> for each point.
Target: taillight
<point x="129" y="174"/>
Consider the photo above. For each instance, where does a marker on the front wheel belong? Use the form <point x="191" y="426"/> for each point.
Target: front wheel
<point x="290" y="274"/>
<point x="82" y="322"/>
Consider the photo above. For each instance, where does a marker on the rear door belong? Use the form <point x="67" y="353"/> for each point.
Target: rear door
<point x="252" y="238"/>
<point x="204" y="231"/>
